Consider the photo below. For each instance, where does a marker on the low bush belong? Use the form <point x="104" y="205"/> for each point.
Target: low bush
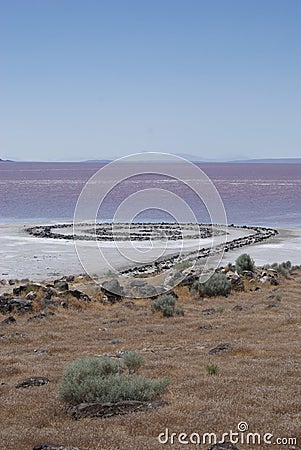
<point x="285" y="268"/>
<point x="244" y="263"/>
<point x="218" y="284"/>
<point x="133" y="361"/>
<point x="100" y="380"/>
<point x="212" y="369"/>
<point x="166" y="304"/>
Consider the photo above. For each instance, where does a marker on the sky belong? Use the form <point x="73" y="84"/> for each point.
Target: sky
<point x="99" y="79"/>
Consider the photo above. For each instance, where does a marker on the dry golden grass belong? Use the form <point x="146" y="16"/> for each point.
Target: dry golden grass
<point x="258" y="381"/>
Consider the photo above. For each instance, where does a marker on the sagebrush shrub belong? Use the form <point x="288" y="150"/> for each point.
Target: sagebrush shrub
<point x="100" y="380"/>
<point x="244" y="263"/>
<point x="218" y="284"/>
<point x="133" y="361"/>
<point x="167" y="305"/>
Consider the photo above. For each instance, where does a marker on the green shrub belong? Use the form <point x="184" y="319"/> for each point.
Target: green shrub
<point x="96" y="380"/>
<point x="166" y="305"/>
<point x="285" y="268"/>
<point x="179" y="310"/>
<point x="218" y="284"/>
<point x="212" y="369"/>
<point x="244" y="262"/>
<point x="133" y="361"/>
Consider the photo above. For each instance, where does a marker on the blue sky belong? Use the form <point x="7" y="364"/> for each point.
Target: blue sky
<point x="219" y="79"/>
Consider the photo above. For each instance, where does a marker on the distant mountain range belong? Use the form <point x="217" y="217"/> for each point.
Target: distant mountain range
<point x="196" y="159"/>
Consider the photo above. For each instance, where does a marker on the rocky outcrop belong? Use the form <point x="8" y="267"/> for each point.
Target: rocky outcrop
<point x="111" y="409"/>
<point x="8" y="305"/>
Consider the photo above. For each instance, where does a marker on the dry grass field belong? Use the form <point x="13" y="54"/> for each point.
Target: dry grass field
<point x="258" y="381"/>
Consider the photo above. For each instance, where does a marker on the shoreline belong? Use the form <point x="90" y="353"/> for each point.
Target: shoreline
<point x="35" y="258"/>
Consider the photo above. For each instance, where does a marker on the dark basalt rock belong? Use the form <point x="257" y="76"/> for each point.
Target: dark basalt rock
<point x="14" y="304"/>
<point x="32" y="381"/>
<point x="41" y="315"/>
<point x="18" y="290"/>
<point x="113" y="287"/>
<point x="111" y="409"/>
<point x="220" y="348"/>
<point x="8" y="321"/>
<point x="209" y="311"/>
<point x="205" y="327"/>
<point x="61" y="285"/>
<point x="241" y="308"/>
<point x="79" y="295"/>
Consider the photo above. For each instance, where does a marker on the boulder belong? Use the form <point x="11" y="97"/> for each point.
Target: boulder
<point x="113" y="286"/>
<point x="61" y="285"/>
<point x="220" y="348"/>
<point x="32" y="381"/>
<point x="18" y="290"/>
<point x="80" y="295"/>
<point x="147" y="291"/>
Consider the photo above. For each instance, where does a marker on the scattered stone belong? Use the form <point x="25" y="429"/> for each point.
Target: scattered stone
<point x="209" y="311"/>
<point x="41" y="315"/>
<point x="241" y="308"/>
<point x="40" y="351"/>
<point x="48" y="446"/>
<point x="106" y="322"/>
<point x="272" y="305"/>
<point x="31" y="295"/>
<point x="220" y="348"/>
<point x="8" y="321"/>
<point x="17" y="304"/>
<point x="46" y="302"/>
<point x="129" y="304"/>
<point x="248" y="273"/>
<point x="11" y="282"/>
<point x="32" y="381"/>
<point x="113" y="341"/>
<point x="70" y="279"/>
<point x="205" y="327"/>
<point x="111" y="409"/>
<point x="79" y="295"/>
<point x="12" y="336"/>
<point x="236" y="281"/>
<point x="18" y="290"/>
<point x="223" y="446"/>
<point x="61" y="285"/>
